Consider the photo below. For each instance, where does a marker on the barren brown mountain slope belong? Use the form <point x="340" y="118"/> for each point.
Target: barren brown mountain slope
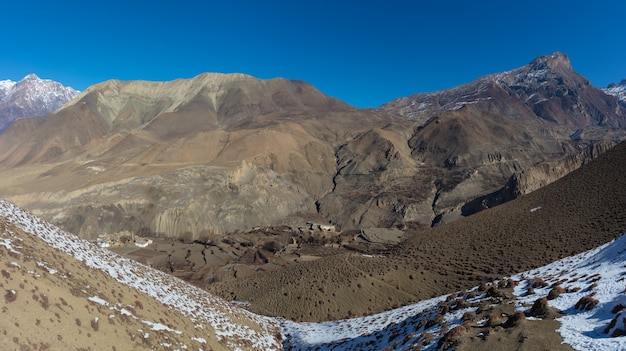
<point x="220" y="153"/>
<point x="63" y="293"/>
<point x="215" y="153"/>
<point x="580" y="211"/>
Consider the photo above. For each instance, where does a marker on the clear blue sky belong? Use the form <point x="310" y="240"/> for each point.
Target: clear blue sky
<point x="362" y="52"/>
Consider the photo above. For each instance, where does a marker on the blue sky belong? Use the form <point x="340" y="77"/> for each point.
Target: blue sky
<point x="362" y="52"/>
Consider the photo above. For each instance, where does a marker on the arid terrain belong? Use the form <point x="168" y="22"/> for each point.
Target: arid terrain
<point x="228" y="212"/>
<point x="63" y="293"/>
<point x="226" y="153"/>
<point x="578" y="212"/>
<point x="65" y="288"/>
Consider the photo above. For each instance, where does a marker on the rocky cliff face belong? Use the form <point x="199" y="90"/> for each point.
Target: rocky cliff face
<point x="534" y="178"/>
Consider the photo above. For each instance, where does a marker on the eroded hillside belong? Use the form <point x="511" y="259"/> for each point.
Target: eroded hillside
<point x="578" y="212"/>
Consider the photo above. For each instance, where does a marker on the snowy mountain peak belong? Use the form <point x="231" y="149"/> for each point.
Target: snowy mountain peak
<point x="31" y="76"/>
<point x="618" y="90"/>
<point x="30" y="97"/>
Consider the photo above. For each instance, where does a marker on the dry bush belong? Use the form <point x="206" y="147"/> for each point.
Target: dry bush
<point x="537" y="282"/>
<point x="78" y="322"/>
<point x="438" y="320"/>
<point x="10" y="296"/>
<point x="95" y="324"/>
<point x="514" y="320"/>
<point x="428" y="337"/>
<point x="460" y="304"/>
<point x="44" y="302"/>
<point x="493" y="291"/>
<point x="508" y="283"/>
<point x="617" y="308"/>
<point x="586" y="303"/>
<point x="494" y="320"/>
<point x="555" y="292"/>
<point x="451" y="338"/>
<point x="617" y="332"/>
<point x="539" y="308"/>
<point x="468" y="316"/>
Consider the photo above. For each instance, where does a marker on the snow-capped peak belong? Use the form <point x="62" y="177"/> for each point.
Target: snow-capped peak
<point x="31" y="76"/>
<point x="5" y="86"/>
<point x="618" y="90"/>
<point x="30" y="97"/>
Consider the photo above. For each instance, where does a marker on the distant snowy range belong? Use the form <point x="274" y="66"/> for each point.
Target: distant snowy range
<point x="585" y="290"/>
<point x="31" y="97"/>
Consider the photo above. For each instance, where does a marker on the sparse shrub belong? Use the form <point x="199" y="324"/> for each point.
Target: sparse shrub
<point x="618" y="308"/>
<point x="508" y="283"/>
<point x="555" y="292"/>
<point x="428" y="337"/>
<point x="451" y="338"/>
<point x="468" y="316"/>
<point x="586" y="303"/>
<point x="493" y="291"/>
<point x="494" y="320"/>
<point x="6" y="274"/>
<point x="460" y="304"/>
<point x="10" y="296"/>
<point x="421" y="324"/>
<point x="131" y="309"/>
<point x="78" y="322"/>
<point x="539" y="308"/>
<point x="44" y="302"/>
<point x="611" y="328"/>
<point x="538" y="283"/>
<point x="139" y="305"/>
<point x="95" y="324"/>
<point x="514" y="320"/>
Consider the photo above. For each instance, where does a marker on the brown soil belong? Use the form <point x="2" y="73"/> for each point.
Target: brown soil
<point x="581" y="211"/>
<point x="49" y="304"/>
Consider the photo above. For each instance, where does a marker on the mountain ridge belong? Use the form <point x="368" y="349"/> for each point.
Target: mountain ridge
<point x="356" y="168"/>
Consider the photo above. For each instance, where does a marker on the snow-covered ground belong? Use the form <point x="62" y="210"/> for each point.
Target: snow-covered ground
<point x="600" y="272"/>
<point x="211" y="315"/>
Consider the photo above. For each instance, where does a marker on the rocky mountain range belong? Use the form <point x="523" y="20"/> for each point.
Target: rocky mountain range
<point x="30" y="97"/>
<point x="222" y="153"/>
